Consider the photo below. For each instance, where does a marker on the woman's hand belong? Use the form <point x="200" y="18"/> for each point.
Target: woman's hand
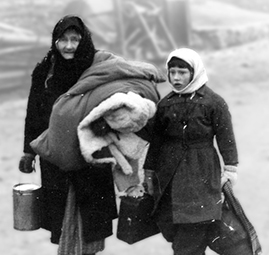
<point x="27" y="163"/>
<point x="135" y="191"/>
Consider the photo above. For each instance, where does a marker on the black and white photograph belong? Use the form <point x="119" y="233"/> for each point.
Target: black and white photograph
<point x="134" y="127"/>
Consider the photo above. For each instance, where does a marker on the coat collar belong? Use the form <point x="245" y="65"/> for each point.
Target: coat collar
<point x="200" y="92"/>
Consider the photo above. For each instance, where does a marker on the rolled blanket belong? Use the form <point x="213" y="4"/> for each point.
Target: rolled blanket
<point x="125" y="114"/>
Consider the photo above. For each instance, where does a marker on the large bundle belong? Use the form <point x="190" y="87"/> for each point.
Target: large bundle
<point x="111" y="83"/>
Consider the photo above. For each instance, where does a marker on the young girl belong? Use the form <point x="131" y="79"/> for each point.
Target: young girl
<point x="182" y="153"/>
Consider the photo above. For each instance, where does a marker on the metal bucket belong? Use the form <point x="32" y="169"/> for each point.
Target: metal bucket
<point x="26" y="206"/>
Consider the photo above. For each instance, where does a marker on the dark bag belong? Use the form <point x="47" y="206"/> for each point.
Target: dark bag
<point x="231" y="231"/>
<point x="235" y="229"/>
<point x="234" y="203"/>
<point x="135" y="222"/>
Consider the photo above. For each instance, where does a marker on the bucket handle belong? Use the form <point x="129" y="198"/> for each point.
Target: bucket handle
<point x="32" y="179"/>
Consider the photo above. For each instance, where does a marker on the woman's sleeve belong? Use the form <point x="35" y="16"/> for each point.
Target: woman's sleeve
<point x="33" y="119"/>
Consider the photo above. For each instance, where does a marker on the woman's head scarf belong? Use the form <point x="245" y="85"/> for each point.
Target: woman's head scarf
<point x="64" y="73"/>
<point x="194" y="60"/>
<point x="85" y="47"/>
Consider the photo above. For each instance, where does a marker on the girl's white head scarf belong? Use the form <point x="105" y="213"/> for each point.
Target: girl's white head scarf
<point x="195" y="61"/>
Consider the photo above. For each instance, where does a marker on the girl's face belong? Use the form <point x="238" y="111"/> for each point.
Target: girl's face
<point x="67" y="44"/>
<point x="179" y="77"/>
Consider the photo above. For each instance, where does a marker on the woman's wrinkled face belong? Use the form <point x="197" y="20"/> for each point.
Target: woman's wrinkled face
<point x="67" y="44"/>
<point x="179" y="77"/>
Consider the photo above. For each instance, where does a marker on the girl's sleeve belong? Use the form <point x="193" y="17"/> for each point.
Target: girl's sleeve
<point x="223" y="127"/>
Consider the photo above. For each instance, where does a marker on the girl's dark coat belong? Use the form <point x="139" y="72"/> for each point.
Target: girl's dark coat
<point x="183" y="155"/>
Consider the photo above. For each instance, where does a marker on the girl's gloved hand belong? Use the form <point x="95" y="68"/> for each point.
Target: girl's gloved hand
<point x="229" y="173"/>
<point x="27" y="163"/>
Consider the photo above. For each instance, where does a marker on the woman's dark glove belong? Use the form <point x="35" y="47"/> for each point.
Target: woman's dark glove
<point x="27" y="163"/>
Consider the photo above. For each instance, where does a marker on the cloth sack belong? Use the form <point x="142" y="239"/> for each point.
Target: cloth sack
<point x="135" y="222"/>
<point x="59" y="144"/>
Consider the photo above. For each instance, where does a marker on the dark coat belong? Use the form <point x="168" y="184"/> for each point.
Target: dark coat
<point x="95" y="197"/>
<point x="94" y="186"/>
<point x="183" y="154"/>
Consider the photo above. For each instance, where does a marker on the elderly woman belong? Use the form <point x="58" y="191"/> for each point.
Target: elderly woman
<point x="72" y="52"/>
